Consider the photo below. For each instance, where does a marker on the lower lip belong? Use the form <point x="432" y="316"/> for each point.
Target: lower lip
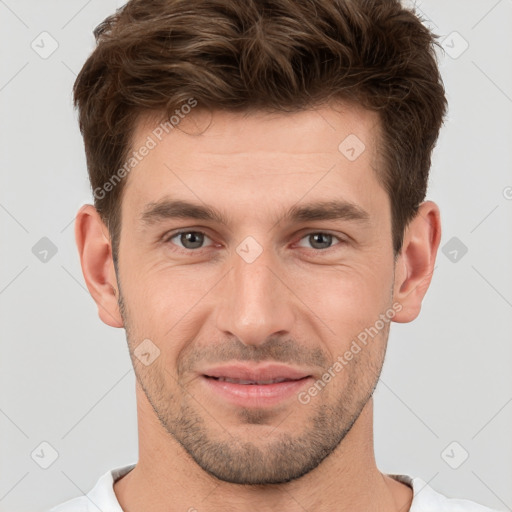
<point x="255" y="395"/>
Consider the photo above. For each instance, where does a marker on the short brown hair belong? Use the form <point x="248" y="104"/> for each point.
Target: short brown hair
<point x="284" y="55"/>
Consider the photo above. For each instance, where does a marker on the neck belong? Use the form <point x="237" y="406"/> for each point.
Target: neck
<point x="167" y="477"/>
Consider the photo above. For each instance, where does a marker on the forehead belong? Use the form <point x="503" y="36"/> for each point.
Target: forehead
<point x="317" y="130"/>
<point x="257" y="158"/>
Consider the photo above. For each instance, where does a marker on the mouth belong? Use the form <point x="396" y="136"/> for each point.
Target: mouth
<point x="253" y="382"/>
<point x="244" y="373"/>
<point x="254" y="386"/>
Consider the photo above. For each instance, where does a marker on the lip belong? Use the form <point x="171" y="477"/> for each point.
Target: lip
<point x="255" y="395"/>
<point x="256" y="373"/>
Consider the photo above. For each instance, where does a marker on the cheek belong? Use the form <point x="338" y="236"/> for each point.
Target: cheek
<point x="164" y="307"/>
<point x="346" y="298"/>
<point x="159" y="290"/>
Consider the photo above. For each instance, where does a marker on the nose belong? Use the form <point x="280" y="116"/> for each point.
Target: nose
<point x="255" y="301"/>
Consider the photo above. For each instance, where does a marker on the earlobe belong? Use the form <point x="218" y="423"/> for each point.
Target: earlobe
<point x="95" y="250"/>
<point x="415" y="264"/>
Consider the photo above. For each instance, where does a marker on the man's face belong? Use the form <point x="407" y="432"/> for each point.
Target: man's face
<point x="263" y="296"/>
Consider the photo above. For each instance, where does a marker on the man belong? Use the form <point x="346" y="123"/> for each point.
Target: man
<point x="259" y="172"/>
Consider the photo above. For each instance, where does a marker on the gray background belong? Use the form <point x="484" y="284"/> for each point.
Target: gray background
<point x="66" y="378"/>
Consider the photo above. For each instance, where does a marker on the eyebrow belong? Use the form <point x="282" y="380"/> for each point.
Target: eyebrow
<point x="321" y="210"/>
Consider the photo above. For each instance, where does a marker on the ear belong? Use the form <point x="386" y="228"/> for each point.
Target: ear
<point x="415" y="263"/>
<point x="95" y="250"/>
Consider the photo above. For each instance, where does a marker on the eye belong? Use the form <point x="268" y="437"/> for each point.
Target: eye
<point x="320" y="240"/>
<point x="189" y="240"/>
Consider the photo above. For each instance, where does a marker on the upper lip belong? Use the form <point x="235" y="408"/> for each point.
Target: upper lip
<point x="256" y="373"/>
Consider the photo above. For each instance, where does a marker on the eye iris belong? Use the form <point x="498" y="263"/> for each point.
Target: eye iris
<point x="192" y="239"/>
<point x="322" y="239"/>
<point x="195" y="239"/>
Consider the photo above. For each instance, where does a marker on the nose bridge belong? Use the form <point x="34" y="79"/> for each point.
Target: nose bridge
<point x="255" y="304"/>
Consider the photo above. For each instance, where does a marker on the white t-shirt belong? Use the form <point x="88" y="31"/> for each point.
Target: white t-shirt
<point x="102" y="497"/>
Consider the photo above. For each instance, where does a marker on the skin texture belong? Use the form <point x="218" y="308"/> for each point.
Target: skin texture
<point x="296" y="304"/>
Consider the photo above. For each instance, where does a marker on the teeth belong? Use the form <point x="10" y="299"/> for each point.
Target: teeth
<point x="242" y="381"/>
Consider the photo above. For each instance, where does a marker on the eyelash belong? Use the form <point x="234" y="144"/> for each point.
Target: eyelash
<point x="201" y="249"/>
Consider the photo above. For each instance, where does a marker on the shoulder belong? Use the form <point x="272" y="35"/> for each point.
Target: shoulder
<point x="73" y="505"/>
<point x="100" y="497"/>
<point x="427" y="499"/>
